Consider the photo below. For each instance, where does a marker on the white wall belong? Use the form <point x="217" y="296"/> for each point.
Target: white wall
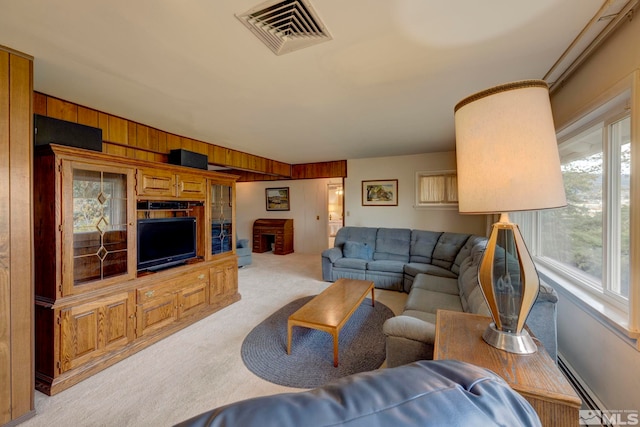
<point x="309" y="202"/>
<point x="404" y="168"/>
<point x="606" y="362"/>
<point x="308" y="208"/>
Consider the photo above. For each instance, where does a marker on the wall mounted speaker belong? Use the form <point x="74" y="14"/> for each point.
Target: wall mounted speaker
<point x="48" y="130"/>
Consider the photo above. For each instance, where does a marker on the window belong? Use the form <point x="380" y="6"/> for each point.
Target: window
<point x="437" y="189"/>
<point x="588" y="242"/>
<point x="590" y="237"/>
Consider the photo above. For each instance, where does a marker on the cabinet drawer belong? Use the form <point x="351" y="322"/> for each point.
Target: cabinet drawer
<point x="172" y="286"/>
<point x="149" y="293"/>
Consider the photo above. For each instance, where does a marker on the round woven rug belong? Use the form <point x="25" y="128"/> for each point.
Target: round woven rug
<point x="310" y="364"/>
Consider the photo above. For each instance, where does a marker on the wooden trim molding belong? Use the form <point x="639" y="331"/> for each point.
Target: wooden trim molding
<point x="16" y="238"/>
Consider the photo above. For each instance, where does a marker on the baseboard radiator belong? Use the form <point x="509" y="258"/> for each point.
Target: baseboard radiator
<point x="589" y="400"/>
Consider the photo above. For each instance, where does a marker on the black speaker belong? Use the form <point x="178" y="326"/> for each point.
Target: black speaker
<point x="188" y="158"/>
<point x="48" y="130"/>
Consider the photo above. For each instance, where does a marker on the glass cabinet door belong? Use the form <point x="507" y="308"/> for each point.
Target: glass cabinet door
<point x="101" y="240"/>
<point x="221" y="219"/>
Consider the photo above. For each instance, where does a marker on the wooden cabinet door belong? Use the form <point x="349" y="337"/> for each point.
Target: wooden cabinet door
<point x="155" y="182"/>
<point x="97" y="223"/>
<point x="231" y="278"/>
<point x="223" y="280"/>
<point x="193" y="299"/>
<point x="191" y="186"/>
<point x="156" y="314"/>
<point x="90" y="330"/>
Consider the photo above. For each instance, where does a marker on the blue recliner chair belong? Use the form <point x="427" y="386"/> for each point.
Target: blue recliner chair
<point x="243" y="250"/>
<point x="424" y="393"/>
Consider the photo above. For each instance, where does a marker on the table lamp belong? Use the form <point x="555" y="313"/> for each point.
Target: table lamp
<point x="507" y="160"/>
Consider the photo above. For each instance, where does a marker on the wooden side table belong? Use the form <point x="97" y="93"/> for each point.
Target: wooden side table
<point x="535" y="376"/>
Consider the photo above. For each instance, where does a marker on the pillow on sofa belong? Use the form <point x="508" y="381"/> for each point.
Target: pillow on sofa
<point x="357" y="250"/>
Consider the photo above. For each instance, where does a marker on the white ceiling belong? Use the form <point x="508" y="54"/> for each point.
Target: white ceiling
<point x="385" y="85"/>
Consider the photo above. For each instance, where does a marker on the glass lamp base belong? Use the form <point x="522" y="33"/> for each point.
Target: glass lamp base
<point x="520" y="343"/>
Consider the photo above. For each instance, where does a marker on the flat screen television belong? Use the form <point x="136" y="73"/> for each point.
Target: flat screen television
<point x="164" y="242"/>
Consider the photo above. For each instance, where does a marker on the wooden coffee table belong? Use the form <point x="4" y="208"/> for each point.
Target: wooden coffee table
<point x="331" y="309"/>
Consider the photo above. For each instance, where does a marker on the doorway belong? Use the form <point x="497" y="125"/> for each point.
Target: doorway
<point x="335" y="206"/>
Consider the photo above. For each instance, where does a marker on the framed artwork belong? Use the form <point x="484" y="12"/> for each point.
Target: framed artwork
<point x="277" y="199"/>
<point x="380" y="193"/>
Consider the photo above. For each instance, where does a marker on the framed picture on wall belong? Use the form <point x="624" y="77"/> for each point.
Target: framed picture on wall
<point x="277" y="199"/>
<point x="380" y="193"/>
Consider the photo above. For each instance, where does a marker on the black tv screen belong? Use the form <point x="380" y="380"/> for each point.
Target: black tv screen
<point x="163" y="242"/>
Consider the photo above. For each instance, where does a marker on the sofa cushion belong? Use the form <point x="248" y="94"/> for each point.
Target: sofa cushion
<point x="431" y="301"/>
<point x="386" y="265"/>
<point x="353" y="263"/>
<point x="446" y="285"/>
<point x="415" y="268"/>
<point x="356" y="234"/>
<point x="447" y="248"/>
<point x="477" y="304"/>
<point x="357" y="250"/>
<point x="422" y="245"/>
<point x="465" y="251"/>
<point x="412" y="326"/>
<point x="393" y="244"/>
<point x="468" y="279"/>
<point x="422" y="315"/>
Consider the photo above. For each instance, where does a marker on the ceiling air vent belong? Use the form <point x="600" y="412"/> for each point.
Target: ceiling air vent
<point x="285" y="26"/>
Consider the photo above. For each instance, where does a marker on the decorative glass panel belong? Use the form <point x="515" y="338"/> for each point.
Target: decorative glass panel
<point x="221" y="219"/>
<point x="99" y="225"/>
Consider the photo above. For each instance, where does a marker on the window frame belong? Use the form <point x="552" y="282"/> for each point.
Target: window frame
<point x="600" y="288"/>
<point x="621" y="314"/>
<point x="447" y="204"/>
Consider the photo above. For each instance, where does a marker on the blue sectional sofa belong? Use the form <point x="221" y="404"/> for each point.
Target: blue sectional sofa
<point x="392" y="257"/>
<point x="439" y="270"/>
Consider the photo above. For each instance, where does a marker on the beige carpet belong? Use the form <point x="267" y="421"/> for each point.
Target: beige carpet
<point x="198" y="368"/>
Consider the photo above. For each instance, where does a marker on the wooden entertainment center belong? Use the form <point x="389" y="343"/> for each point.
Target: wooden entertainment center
<point x="93" y="306"/>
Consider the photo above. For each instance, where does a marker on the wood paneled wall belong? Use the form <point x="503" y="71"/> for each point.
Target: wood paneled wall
<point x="16" y="238"/>
<point x="335" y="169"/>
<point x="127" y="138"/>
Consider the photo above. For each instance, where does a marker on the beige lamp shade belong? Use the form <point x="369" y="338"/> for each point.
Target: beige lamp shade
<point x="506" y="149"/>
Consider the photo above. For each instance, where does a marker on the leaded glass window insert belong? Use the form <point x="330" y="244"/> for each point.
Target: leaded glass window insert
<point x="99" y="225"/>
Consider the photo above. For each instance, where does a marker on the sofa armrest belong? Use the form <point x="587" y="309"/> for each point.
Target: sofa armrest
<point x="410" y="328"/>
<point x="332" y="254"/>
<point x="242" y="243"/>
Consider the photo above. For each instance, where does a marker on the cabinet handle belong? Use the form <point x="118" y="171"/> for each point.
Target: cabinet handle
<point x="201" y="276"/>
<point x="149" y="294"/>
